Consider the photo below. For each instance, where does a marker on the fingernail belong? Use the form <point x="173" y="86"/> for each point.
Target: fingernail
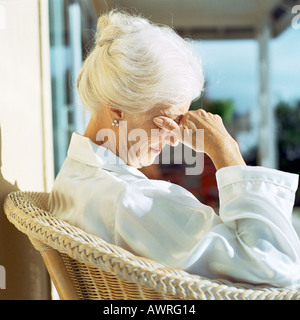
<point x="158" y="121"/>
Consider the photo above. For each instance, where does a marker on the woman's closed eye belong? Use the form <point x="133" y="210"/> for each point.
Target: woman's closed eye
<point x="177" y="119"/>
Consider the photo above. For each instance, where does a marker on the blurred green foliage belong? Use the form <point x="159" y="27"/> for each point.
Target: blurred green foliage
<point x="224" y="108"/>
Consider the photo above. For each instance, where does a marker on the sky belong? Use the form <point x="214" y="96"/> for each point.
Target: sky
<point x="231" y="69"/>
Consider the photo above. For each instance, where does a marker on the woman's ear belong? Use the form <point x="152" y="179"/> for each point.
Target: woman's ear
<point x="115" y="114"/>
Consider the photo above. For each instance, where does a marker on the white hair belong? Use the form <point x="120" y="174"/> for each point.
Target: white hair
<point x="136" y="65"/>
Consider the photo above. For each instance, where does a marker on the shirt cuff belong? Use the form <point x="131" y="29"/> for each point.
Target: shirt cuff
<point x="233" y="174"/>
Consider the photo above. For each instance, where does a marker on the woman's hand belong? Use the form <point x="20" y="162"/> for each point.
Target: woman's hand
<point x="218" y="143"/>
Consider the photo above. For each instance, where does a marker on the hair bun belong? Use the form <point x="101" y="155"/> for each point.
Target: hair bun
<point x="102" y="23"/>
<point x="109" y="28"/>
<point x="113" y="25"/>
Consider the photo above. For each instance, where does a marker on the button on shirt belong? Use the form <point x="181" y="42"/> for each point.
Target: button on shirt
<point x="251" y="240"/>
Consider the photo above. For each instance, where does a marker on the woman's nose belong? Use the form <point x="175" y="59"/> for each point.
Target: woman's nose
<point x="170" y="139"/>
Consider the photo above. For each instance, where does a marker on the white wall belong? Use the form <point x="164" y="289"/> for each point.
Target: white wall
<point x="25" y="135"/>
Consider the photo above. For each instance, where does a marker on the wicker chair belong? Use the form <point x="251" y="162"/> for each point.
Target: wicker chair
<point x="83" y="266"/>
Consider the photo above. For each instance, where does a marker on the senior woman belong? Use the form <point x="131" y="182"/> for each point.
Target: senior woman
<point x="145" y="76"/>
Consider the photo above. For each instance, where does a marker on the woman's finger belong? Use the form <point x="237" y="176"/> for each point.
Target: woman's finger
<point x="166" y="123"/>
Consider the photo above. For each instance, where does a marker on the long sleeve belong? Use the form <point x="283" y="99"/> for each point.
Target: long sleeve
<point x="256" y="203"/>
<point x="252" y="240"/>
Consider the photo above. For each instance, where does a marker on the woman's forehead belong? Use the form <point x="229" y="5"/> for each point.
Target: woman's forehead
<point x="167" y="111"/>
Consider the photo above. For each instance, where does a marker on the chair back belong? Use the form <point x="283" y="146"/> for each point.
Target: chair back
<point x="84" y="266"/>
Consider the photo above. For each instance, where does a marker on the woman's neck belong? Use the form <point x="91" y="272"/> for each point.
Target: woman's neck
<point x="100" y="131"/>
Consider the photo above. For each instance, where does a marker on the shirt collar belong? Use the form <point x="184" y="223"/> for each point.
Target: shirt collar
<point x="83" y="150"/>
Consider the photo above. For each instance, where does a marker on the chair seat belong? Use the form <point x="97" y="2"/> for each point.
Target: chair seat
<point x="84" y="266"/>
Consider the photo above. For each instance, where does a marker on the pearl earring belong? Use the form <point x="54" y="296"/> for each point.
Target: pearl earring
<point x="115" y="123"/>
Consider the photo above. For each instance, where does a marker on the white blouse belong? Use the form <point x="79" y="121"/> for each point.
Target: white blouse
<point x="251" y="240"/>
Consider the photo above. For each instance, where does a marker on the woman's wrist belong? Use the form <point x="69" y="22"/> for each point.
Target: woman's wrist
<point x="226" y="156"/>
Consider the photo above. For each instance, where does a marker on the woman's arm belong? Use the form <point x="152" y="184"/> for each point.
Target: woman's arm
<point x="255" y="241"/>
<point x="252" y="240"/>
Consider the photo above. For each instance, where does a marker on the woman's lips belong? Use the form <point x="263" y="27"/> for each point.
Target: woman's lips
<point x="155" y="150"/>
